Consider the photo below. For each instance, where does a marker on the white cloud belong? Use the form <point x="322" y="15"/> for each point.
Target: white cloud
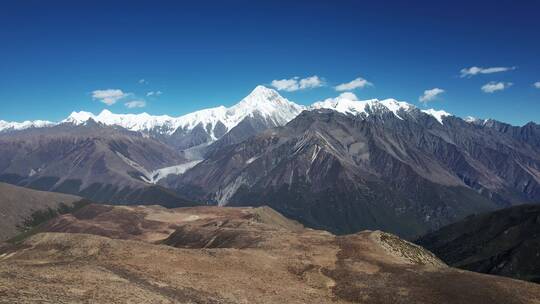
<point x="354" y="84"/>
<point x="109" y="96"/>
<point x="154" y="93"/>
<point x="295" y="84"/>
<point x="285" y="84"/>
<point x="135" y="104"/>
<point x="537" y="84"/>
<point x="430" y="95"/>
<point x="311" y="82"/>
<point x="142" y="81"/>
<point x="493" y="86"/>
<point x="348" y="95"/>
<point x="472" y="71"/>
<point x="340" y="103"/>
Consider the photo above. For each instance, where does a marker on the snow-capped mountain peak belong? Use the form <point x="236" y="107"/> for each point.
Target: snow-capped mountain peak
<point x="78" y="118"/>
<point x="264" y="101"/>
<point x="396" y="106"/>
<point x="261" y="94"/>
<point x="14" y="126"/>
<point x="437" y="114"/>
<point x="348" y="103"/>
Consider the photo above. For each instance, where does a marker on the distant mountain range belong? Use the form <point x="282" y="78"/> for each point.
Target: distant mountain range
<point x="264" y="105"/>
<point x="6" y="126"/>
<point x="340" y="164"/>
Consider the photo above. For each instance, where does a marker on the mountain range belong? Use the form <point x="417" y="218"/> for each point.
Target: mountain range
<point x="262" y="105"/>
<point x="341" y="164"/>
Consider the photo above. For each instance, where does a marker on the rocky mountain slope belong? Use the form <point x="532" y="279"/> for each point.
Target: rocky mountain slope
<point x="92" y="160"/>
<point x="504" y="242"/>
<point x="351" y="165"/>
<point x="230" y="255"/>
<point x="17" y="204"/>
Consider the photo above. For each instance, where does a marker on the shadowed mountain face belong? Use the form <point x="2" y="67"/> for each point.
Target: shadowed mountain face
<point x="149" y="254"/>
<point x="17" y="204"/>
<point x="504" y="242"/>
<point x="248" y="127"/>
<point x="406" y="174"/>
<point x="94" y="161"/>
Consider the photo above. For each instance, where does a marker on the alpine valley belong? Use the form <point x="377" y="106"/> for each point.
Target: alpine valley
<point x="341" y="164"/>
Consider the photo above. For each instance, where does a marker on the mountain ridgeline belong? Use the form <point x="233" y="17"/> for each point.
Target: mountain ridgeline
<point x="342" y="164"/>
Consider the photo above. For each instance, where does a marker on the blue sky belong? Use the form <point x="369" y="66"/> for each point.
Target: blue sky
<point x="55" y="54"/>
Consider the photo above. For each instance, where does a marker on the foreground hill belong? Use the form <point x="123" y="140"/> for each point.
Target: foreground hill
<point x="149" y="254"/>
<point x="17" y="204"/>
<point x="505" y="242"/>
